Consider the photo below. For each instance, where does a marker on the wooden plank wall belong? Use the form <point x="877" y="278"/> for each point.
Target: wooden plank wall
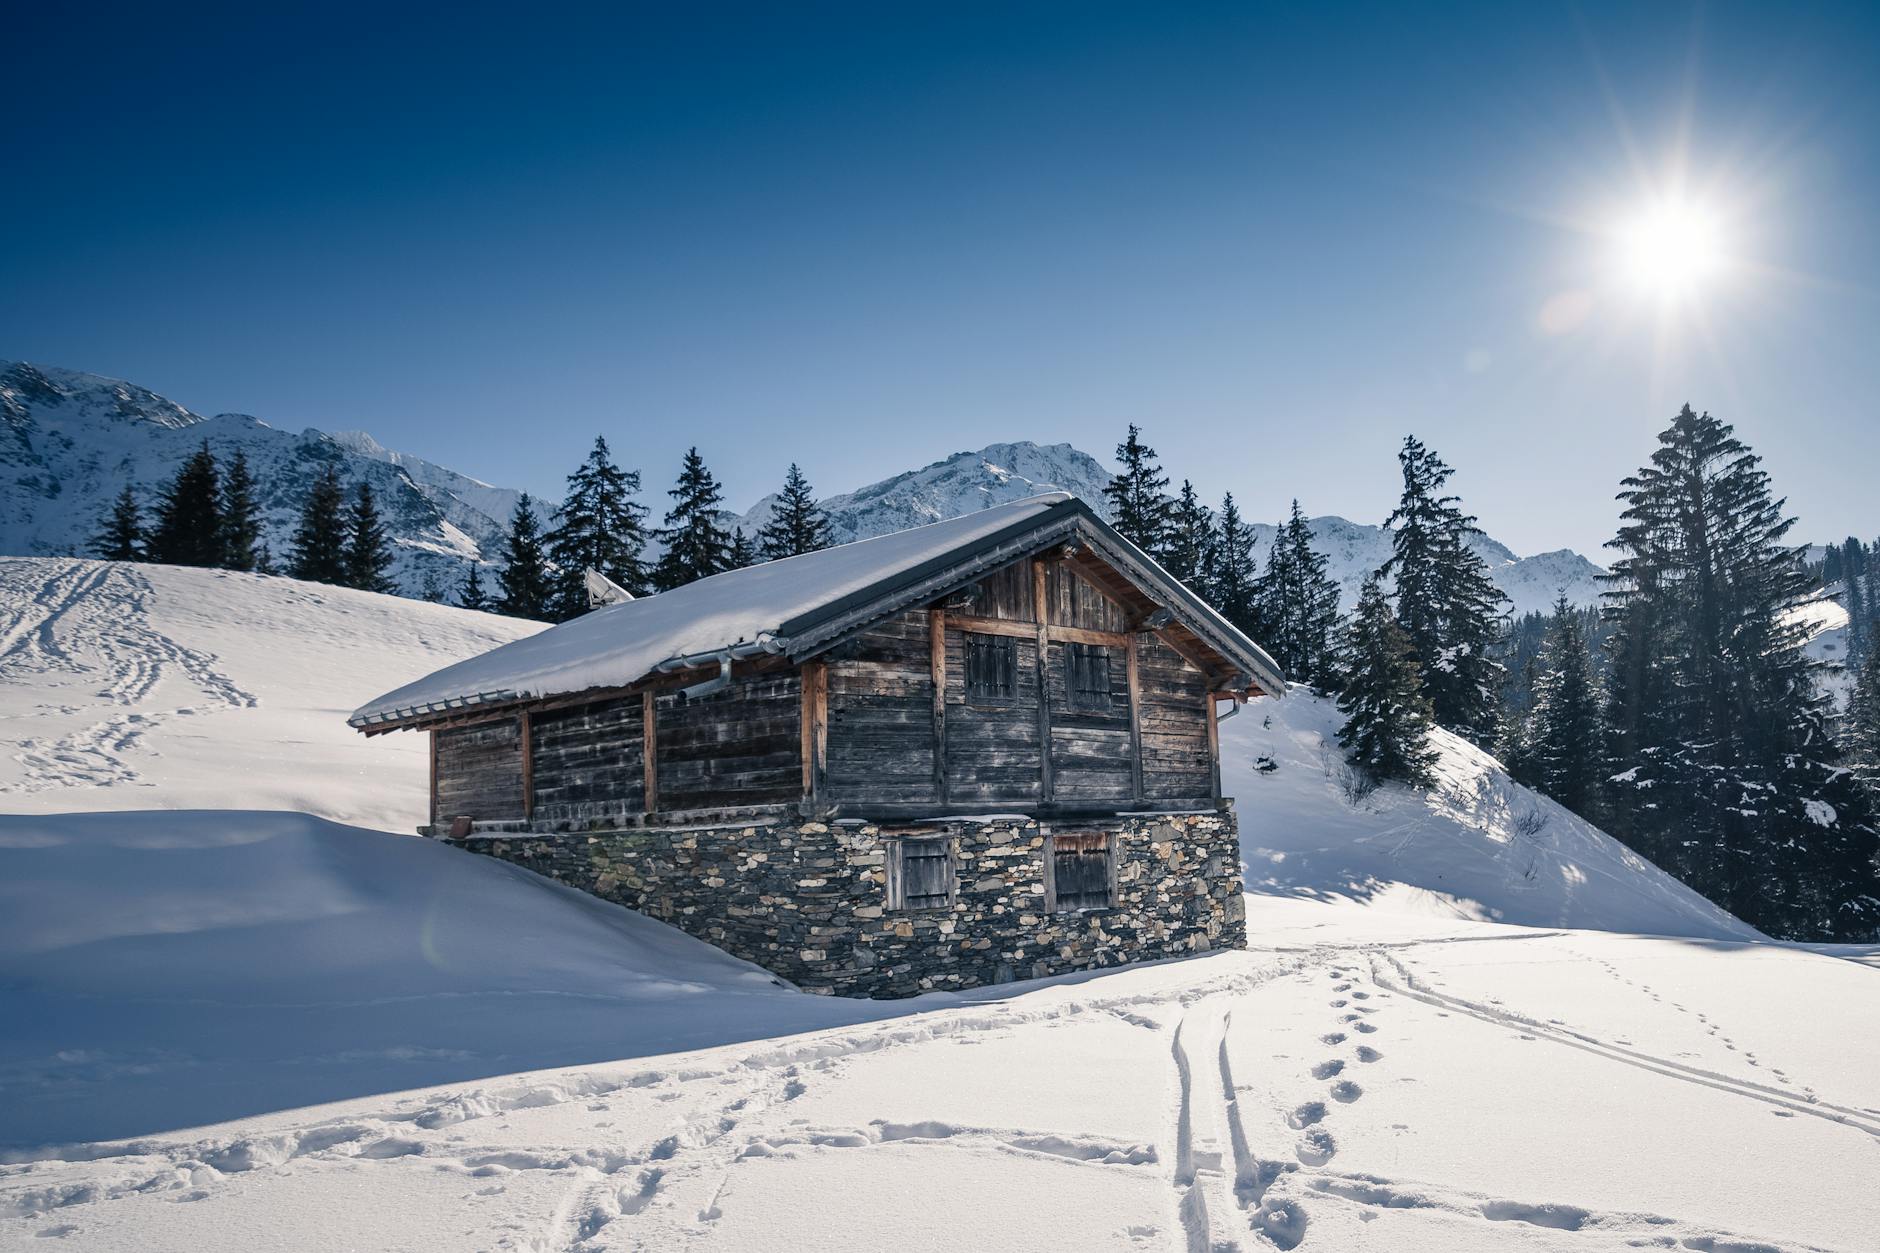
<point x="881" y="720"/>
<point x="586" y="756"/>
<point x="479" y="772"/>
<point x="992" y="750"/>
<point x="739" y="746"/>
<point x="1090" y="748"/>
<point x="1174" y="717"/>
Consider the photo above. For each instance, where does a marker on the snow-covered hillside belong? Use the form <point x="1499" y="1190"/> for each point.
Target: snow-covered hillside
<point x="1381" y="1069"/>
<point x="69" y="442"/>
<point x="131" y="686"/>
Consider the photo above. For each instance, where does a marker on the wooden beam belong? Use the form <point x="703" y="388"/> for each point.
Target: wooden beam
<point x="1086" y="635"/>
<point x="649" y="749"/>
<point x="937" y="653"/>
<point x="527" y="731"/>
<point x="1046" y="784"/>
<point x="1214" y="746"/>
<point x="1133" y="666"/>
<point x="815" y="731"/>
<point x="434" y="783"/>
<point x="994" y="626"/>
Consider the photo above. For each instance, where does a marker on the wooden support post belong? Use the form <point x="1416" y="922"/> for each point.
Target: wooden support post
<point x="528" y="766"/>
<point x="815" y="727"/>
<point x="433" y="782"/>
<point x="1214" y="746"/>
<point x="649" y="749"/>
<point x="1042" y="609"/>
<point x="937" y="652"/>
<point x="1131" y="656"/>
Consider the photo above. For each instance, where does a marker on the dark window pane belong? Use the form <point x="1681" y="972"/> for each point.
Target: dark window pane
<point x="1081" y="866"/>
<point x="1087" y="675"/>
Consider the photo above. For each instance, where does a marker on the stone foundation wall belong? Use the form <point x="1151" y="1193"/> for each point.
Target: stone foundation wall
<point x="809" y="900"/>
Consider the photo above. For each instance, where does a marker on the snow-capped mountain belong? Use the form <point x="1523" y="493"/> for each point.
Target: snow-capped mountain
<point x="960" y="484"/>
<point x="70" y="441"/>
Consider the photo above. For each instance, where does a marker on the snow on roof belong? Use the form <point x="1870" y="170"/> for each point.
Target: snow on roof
<point x="621" y="644"/>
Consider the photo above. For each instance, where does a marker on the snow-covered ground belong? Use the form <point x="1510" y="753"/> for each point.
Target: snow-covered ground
<point x="1385" y="1068"/>
<point x="130" y="686"/>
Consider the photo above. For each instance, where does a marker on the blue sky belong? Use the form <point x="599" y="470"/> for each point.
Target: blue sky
<point x="863" y="238"/>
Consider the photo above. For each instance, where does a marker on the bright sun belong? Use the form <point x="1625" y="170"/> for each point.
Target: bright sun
<point x="1670" y="250"/>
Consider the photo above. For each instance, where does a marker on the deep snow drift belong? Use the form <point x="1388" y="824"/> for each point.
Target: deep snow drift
<point x="131" y="686"/>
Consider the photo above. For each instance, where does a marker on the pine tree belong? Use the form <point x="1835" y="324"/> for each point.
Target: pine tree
<point x="1387" y="716"/>
<point x="1296" y="606"/>
<point x="600" y="527"/>
<point x="697" y="544"/>
<point x="1139" y="507"/>
<point x="1446" y="603"/>
<point x="368" y="552"/>
<point x="1186" y="554"/>
<point x="1726" y="773"/>
<point x="122" y="536"/>
<point x="241" y="517"/>
<point x="473" y="596"/>
<point x="797" y="525"/>
<point x="743" y="551"/>
<point x="189" y="528"/>
<point x="1863" y="728"/>
<point x="431" y="586"/>
<point x="526" y="590"/>
<point x="320" y="537"/>
<point x="1231" y="580"/>
<point x="1563" y="737"/>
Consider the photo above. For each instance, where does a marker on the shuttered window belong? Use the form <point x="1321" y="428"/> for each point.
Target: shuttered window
<point x="923" y="874"/>
<point x="1080" y="867"/>
<point x="991" y="667"/>
<point x="1087" y="676"/>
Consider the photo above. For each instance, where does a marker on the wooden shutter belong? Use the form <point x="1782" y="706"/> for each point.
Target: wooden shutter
<point x="1081" y="870"/>
<point x="926" y="874"/>
<point x="1087" y="675"/>
<point x="991" y="667"/>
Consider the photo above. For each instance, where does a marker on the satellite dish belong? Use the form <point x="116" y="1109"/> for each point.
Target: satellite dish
<point x="602" y="590"/>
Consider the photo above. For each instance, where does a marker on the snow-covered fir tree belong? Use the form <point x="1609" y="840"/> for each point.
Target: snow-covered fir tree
<point x="1446" y="601"/>
<point x="1387" y="715"/>
<point x="319" y="552"/>
<point x="121" y="538"/>
<point x="368" y="548"/>
<point x="601" y="527"/>
<point x="473" y="595"/>
<point x="697" y="543"/>
<point x="525" y="588"/>
<point x="1296" y="606"/>
<point x="1862" y="728"/>
<point x="188" y="530"/>
<point x="1725" y="772"/>
<point x="1230" y="581"/>
<point x="1138" y="496"/>
<point x="797" y="525"/>
<point x="1187" y="552"/>
<point x="1563" y="733"/>
<point x="242" y="538"/>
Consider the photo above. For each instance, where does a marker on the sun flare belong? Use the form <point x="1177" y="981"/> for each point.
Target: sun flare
<point x="1671" y="250"/>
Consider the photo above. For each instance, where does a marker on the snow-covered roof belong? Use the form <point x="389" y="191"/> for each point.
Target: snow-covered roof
<point x="793" y="606"/>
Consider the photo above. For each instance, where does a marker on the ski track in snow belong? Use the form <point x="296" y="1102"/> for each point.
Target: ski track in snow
<point x="88" y="619"/>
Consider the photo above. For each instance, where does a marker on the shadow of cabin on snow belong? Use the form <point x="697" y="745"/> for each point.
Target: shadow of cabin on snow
<point x="964" y="753"/>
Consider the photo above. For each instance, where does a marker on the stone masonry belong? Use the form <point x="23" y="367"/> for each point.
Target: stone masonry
<point x="809" y="900"/>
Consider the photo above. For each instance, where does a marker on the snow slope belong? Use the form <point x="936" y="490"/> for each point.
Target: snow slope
<point x="132" y="686"/>
<point x="1478" y="845"/>
<point x="1381" y="1070"/>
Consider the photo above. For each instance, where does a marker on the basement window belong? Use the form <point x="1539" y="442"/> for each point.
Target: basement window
<point x="920" y="873"/>
<point x="991" y="667"/>
<point x="1081" y="871"/>
<point x="1087" y="676"/>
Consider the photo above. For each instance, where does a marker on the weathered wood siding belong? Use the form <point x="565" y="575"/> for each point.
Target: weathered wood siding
<point x="992" y="749"/>
<point x="587" y="760"/>
<point x="479" y="772"/>
<point x="736" y="747"/>
<point x="881" y="722"/>
<point x="1090" y="747"/>
<point x="1073" y="602"/>
<point x="1176" y="761"/>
